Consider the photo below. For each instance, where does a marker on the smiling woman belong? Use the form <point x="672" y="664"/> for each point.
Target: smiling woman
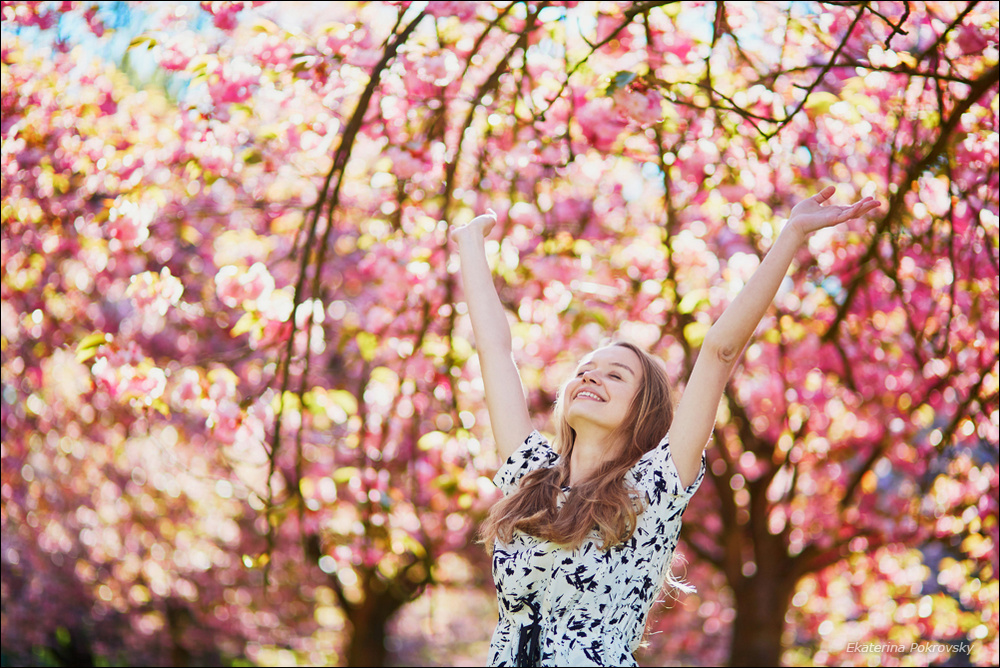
<point x="583" y="539"/>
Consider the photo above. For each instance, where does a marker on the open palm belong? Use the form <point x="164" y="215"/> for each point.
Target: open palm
<point x="815" y="213"/>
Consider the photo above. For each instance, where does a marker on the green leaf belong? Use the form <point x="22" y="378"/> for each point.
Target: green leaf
<point x="141" y="40"/>
<point x="432" y="440"/>
<point x="367" y="345"/>
<point x="695" y="333"/>
<point x="821" y="101"/>
<point x="619" y="81"/>
<point x="87" y="348"/>
<point x="691" y="301"/>
<point x="344" y="474"/>
<point x="412" y="545"/>
<point x="245" y="324"/>
<point x="347" y="401"/>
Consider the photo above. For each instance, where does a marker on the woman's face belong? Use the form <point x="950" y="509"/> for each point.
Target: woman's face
<point x="602" y="390"/>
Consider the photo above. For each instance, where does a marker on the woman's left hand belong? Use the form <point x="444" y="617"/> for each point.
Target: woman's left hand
<point x="814" y="213"/>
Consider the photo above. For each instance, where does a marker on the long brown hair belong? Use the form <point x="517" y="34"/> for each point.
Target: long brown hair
<point x="603" y="500"/>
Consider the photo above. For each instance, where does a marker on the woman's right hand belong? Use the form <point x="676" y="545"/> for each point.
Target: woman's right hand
<point x="480" y="224"/>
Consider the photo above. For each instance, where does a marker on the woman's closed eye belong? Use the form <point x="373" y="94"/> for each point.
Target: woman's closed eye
<point x="614" y="375"/>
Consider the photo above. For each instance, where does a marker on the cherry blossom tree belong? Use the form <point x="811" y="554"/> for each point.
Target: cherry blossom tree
<point x="241" y="409"/>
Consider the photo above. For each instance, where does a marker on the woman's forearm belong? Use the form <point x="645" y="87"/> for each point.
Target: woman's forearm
<point x="489" y="321"/>
<point x="731" y="332"/>
<point x="505" y="397"/>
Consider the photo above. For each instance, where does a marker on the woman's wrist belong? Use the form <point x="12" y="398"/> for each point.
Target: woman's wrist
<point x="468" y="234"/>
<point x="794" y="232"/>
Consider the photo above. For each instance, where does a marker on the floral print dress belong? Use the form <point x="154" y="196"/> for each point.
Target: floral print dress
<point x="585" y="606"/>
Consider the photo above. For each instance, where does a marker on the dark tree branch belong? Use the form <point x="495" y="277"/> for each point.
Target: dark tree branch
<point x="332" y="198"/>
<point x="637" y="9"/>
<point x="822" y="74"/>
<point x="897" y="203"/>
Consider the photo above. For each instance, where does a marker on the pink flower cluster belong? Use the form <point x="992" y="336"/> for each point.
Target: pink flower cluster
<point x="439" y="69"/>
<point x="463" y="11"/>
<point x="405" y="164"/>
<point x="187" y="389"/>
<point x="176" y="51"/>
<point x="154" y="293"/>
<point x="233" y="82"/>
<point x="125" y="373"/>
<point x="128" y="222"/>
<point x="643" y="107"/>
<point x="268" y="309"/>
<point x="355" y="46"/>
<point x="235" y="285"/>
<point x="224" y="13"/>
<point x="601" y="123"/>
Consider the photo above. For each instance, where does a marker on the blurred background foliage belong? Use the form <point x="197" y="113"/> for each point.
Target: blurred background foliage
<point x="241" y="408"/>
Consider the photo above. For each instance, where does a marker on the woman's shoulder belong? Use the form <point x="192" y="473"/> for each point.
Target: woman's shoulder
<point x="535" y="453"/>
<point x="656" y="474"/>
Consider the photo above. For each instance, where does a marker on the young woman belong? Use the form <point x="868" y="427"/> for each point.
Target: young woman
<point x="583" y="538"/>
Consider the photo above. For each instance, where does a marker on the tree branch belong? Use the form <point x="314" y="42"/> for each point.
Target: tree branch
<point x="897" y="203"/>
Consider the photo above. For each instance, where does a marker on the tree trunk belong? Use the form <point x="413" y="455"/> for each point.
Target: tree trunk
<point x="761" y="603"/>
<point x="366" y="646"/>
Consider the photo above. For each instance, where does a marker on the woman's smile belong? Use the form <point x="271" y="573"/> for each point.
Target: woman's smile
<point x="587" y="394"/>
<point x="608" y="377"/>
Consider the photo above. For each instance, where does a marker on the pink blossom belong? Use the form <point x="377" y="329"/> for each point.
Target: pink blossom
<point x="405" y="165"/>
<point x="460" y="10"/>
<point x="601" y="123"/>
<point x="572" y="211"/>
<point x="525" y="214"/>
<point x="188" y="389"/>
<point x="225" y="420"/>
<point x="128" y="374"/>
<point x="972" y="40"/>
<point x="224" y="13"/>
<point x="275" y="305"/>
<point x="227" y="286"/>
<point x="250" y="429"/>
<point x="440" y="68"/>
<point x="643" y="107"/>
<point x="275" y="52"/>
<point x="235" y="285"/>
<point x="155" y="293"/>
<point x="678" y="44"/>
<point x="177" y="51"/>
<point x="128" y="222"/>
<point x="364" y="58"/>
<point x="234" y="82"/>
<point x="257" y="281"/>
<point x="222" y="385"/>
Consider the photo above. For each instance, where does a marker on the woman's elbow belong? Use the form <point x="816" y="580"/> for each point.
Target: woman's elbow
<point x="720" y="350"/>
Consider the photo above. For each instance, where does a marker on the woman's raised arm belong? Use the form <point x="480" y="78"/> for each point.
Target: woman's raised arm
<point x="505" y="398"/>
<point x="694" y="418"/>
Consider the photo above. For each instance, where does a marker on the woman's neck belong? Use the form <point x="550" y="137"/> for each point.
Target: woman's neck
<point x="591" y="448"/>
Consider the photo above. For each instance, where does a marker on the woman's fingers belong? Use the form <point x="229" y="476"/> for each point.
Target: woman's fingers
<point x="484" y="222"/>
<point x="824" y="194"/>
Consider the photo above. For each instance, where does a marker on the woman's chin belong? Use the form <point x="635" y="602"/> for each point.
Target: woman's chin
<point x="580" y="419"/>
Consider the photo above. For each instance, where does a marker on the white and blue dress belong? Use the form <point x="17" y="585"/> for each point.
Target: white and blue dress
<point x="585" y="606"/>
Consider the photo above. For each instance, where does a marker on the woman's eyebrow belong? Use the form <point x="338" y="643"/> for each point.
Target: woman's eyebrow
<point x="624" y="366"/>
<point x="592" y="363"/>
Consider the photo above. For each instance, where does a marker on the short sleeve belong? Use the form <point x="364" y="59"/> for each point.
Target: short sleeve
<point x="535" y="453"/>
<point x="656" y="474"/>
